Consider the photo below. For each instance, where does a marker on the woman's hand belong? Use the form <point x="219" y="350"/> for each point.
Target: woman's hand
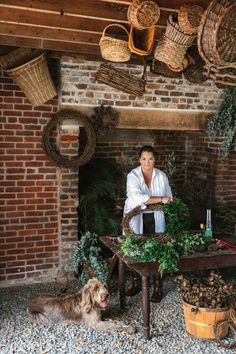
<point x="166" y="200"/>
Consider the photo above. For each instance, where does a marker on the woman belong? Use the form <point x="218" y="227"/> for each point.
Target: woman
<point x="147" y="185"/>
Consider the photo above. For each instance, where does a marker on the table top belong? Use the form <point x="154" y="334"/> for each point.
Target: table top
<point x="198" y="261"/>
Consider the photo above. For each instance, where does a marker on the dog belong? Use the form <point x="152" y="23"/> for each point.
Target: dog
<point x="83" y="307"/>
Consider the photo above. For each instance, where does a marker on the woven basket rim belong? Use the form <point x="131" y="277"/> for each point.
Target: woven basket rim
<point x="32" y="61"/>
<point x="132" y="13"/>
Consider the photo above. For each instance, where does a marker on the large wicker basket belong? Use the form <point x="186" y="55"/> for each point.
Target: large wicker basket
<point x="189" y="18"/>
<point x="141" y="42"/>
<point x="143" y="13"/>
<point x="34" y="79"/>
<point x="216" y="37"/>
<point x="114" y="49"/>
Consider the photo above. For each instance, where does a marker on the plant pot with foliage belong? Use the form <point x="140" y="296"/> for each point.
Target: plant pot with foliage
<point x="206" y="300"/>
<point x="87" y="259"/>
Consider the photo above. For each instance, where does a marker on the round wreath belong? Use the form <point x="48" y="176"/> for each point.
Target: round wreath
<point x="104" y="120"/>
<point x="127" y="217"/>
<point x="51" y="149"/>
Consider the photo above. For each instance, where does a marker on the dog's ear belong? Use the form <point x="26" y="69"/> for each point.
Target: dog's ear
<point x="86" y="302"/>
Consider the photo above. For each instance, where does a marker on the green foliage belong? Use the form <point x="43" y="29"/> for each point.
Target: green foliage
<point x="176" y="214"/>
<point x="87" y="259"/>
<point x="97" y="197"/>
<point x="223" y="123"/>
<point x="166" y="254"/>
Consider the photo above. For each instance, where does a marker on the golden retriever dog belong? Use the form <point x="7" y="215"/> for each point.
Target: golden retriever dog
<point x="83" y="307"/>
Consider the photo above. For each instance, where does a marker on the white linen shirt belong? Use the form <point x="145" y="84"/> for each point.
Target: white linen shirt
<point x="138" y="193"/>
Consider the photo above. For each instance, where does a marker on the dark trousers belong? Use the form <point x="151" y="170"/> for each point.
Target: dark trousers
<point x="148" y="223"/>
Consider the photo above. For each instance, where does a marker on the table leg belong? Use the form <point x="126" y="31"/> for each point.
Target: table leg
<point x="146" y="307"/>
<point x="121" y="282"/>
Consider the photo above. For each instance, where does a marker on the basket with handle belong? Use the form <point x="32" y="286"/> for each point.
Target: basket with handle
<point x="114" y="49"/>
<point x="34" y="79"/>
<point x="141" y="41"/>
<point x="143" y="13"/>
<point x="189" y="18"/>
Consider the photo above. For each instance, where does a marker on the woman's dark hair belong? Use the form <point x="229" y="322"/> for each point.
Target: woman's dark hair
<point x="146" y="148"/>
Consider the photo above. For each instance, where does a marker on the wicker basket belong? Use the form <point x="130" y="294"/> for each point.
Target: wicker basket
<point x="34" y="79"/>
<point x="170" y="52"/>
<point x="195" y="71"/>
<point x="12" y="59"/>
<point x="216" y="39"/>
<point x="143" y="13"/>
<point x="176" y="34"/>
<point x="141" y="41"/>
<point x="224" y="76"/>
<point x="160" y="68"/>
<point x="189" y="18"/>
<point x="114" y="49"/>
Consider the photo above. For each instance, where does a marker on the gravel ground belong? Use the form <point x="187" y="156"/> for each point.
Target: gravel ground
<point x="168" y="335"/>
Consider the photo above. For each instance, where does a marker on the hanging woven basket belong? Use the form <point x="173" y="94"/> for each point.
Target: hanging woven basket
<point x="216" y="37"/>
<point x="114" y="49"/>
<point x="141" y="41"/>
<point x="189" y="18"/>
<point x="15" y="57"/>
<point x="34" y="79"/>
<point x="160" y="68"/>
<point x="176" y="34"/>
<point x="143" y="13"/>
<point x="170" y="52"/>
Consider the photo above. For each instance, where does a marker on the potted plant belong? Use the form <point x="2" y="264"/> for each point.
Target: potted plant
<point x="206" y="300"/>
<point x="87" y="259"/>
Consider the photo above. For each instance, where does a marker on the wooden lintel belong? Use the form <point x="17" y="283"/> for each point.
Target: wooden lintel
<point x="156" y="119"/>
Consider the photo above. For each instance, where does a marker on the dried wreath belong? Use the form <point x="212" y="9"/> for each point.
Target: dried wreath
<point x="104" y="120"/>
<point x="52" y="150"/>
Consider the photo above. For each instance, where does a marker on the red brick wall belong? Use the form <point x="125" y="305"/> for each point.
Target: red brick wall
<point x="38" y="220"/>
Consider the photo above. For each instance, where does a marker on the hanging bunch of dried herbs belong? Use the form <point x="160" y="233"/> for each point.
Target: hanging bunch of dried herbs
<point x="223" y="122"/>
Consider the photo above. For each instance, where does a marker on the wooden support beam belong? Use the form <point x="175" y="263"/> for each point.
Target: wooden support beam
<point x="156" y="119"/>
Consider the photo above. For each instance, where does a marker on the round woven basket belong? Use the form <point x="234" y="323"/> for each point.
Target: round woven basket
<point x="160" y="68"/>
<point x="189" y="18"/>
<point x="176" y="34"/>
<point x="34" y="79"/>
<point x="13" y="58"/>
<point x="143" y="13"/>
<point x="170" y="52"/>
<point x="216" y="37"/>
<point x="114" y="49"/>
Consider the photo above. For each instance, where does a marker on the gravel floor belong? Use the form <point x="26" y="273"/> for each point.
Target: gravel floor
<point x="168" y="335"/>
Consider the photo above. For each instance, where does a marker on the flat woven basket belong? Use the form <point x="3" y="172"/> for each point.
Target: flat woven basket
<point x="160" y="68"/>
<point x="114" y="49"/>
<point x="12" y="59"/>
<point x="143" y="13"/>
<point x="121" y="80"/>
<point x="170" y="52"/>
<point x="176" y="34"/>
<point x="224" y="77"/>
<point x="34" y="79"/>
<point x="141" y="41"/>
<point x="189" y="18"/>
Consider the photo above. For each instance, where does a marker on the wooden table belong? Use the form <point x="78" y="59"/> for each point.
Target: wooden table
<point x="195" y="262"/>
